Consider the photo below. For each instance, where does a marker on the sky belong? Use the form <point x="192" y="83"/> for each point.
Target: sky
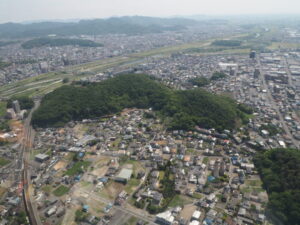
<point x="32" y="10"/>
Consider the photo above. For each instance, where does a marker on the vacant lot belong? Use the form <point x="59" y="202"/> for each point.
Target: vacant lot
<point x="111" y="190"/>
<point x="188" y="211"/>
<point x="180" y="200"/>
<point x="60" y="165"/>
<point x="132" y="185"/>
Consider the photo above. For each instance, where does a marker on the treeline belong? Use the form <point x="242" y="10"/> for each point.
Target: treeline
<point x="200" y="81"/>
<point x="227" y="43"/>
<point x="217" y="76"/>
<point x="203" y="81"/>
<point x="52" y="42"/>
<point x="167" y="190"/>
<point x="118" y="25"/>
<point x="24" y="101"/>
<point x="179" y="109"/>
<point x="280" y="173"/>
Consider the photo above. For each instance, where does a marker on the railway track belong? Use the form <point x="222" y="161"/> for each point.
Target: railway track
<point x="31" y="210"/>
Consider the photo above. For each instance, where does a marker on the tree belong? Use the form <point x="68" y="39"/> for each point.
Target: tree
<point x="279" y="170"/>
<point x="66" y="80"/>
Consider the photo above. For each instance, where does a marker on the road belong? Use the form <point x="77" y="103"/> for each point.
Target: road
<point x="291" y="84"/>
<point x="29" y="133"/>
<point x="274" y="105"/>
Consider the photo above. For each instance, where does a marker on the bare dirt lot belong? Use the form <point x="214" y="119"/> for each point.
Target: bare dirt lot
<point x="111" y="190"/>
<point x="60" y="165"/>
<point x="188" y="211"/>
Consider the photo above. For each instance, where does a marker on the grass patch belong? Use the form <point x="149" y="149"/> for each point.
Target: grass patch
<point x="197" y="195"/>
<point x="85" y="184"/>
<point x="3" y="162"/>
<point x="205" y="160"/>
<point x="253" y="183"/>
<point x="191" y="151"/>
<point x="77" y="168"/>
<point x="2" y="109"/>
<point x="131" y="185"/>
<point x="252" y="190"/>
<point x="161" y="175"/>
<point x="180" y="200"/>
<point x="47" y="188"/>
<point x="60" y="191"/>
<point x="115" y="144"/>
<point x="2" y="191"/>
<point x="132" y="221"/>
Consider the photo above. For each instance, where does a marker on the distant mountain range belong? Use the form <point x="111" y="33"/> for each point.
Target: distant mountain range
<point x="116" y="25"/>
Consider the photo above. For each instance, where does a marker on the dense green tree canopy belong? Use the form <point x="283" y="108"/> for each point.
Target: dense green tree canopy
<point x="40" y="42"/>
<point x="280" y="172"/>
<point x="217" y="76"/>
<point x="24" y="101"/>
<point x="199" y="81"/>
<point x="181" y="109"/>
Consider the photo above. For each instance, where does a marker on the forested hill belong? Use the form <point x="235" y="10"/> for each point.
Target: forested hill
<point x="280" y="172"/>
<point x="40" y="42"/>
<point x="116" y="25"/>
<point x="183" y="109"/>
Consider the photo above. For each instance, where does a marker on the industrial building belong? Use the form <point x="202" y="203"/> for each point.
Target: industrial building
<point x="41" y="158"/>
<point x="124" y="175"/>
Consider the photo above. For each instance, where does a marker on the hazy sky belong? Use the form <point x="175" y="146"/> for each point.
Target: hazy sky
<point x="25" y="10"/>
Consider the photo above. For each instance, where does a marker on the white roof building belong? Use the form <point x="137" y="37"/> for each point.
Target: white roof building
<point x="194" y="222"/>
<point x="165" y="218"/>
<point x="196" y="215"/>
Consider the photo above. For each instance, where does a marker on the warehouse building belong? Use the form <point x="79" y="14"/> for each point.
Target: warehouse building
<point x="124" y="175"/>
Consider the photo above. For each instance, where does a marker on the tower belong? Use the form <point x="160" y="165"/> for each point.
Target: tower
<point x="16" y="106"/>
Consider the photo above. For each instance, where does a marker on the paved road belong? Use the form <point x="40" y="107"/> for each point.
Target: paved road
<point x="274" y="105"/>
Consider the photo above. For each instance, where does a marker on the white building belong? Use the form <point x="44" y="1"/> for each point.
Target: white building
<point x="165" y="218"/>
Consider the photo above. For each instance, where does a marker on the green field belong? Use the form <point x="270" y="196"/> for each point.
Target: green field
<point x="3" y="162"/>
<point x="77" y="168"/>
<point x="60" y="191"/>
